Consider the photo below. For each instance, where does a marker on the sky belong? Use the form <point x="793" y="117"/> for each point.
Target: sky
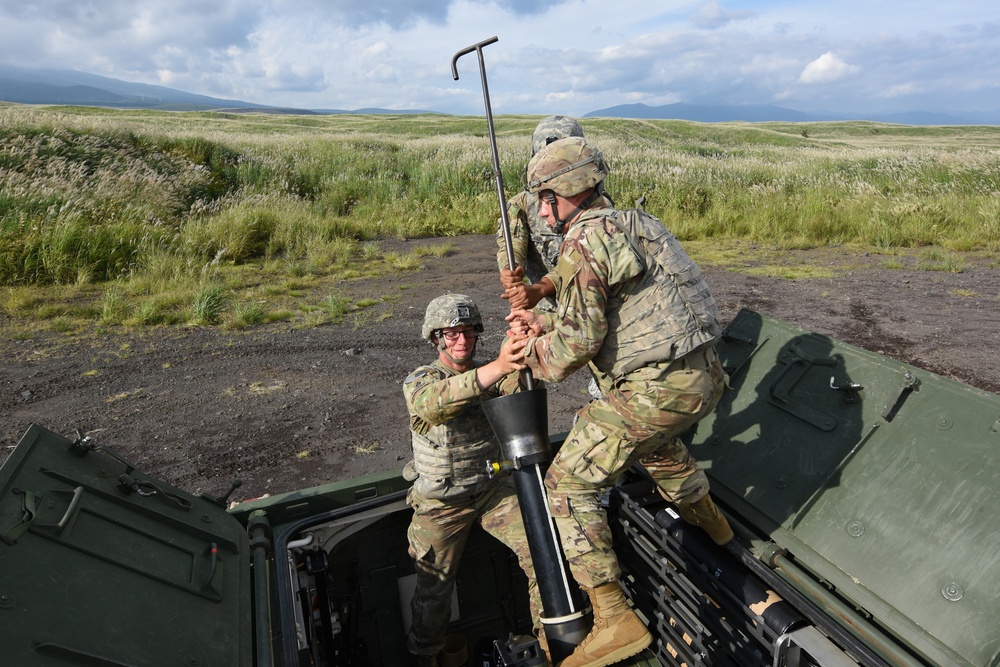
<point x="552" y="56"/>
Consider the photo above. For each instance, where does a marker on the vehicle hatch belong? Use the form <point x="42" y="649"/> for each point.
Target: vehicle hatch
<point x="877" y="477"/>
<point x="101" y="565"/>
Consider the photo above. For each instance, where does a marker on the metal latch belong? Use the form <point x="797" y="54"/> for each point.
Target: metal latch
<point x="849" y="388"/>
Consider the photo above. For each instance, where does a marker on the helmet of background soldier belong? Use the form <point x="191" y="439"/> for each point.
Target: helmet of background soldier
<point x="451" y="310"/>
<point x="553" y="128"/>
<point x="567" y="167"/>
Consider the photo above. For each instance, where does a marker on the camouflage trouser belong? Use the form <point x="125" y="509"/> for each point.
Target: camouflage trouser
<point x="638" y="420"/>
<point x="437" y="537"/>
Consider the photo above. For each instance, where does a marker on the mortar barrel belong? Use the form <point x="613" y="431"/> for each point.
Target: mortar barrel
<point x="520" y="422"/>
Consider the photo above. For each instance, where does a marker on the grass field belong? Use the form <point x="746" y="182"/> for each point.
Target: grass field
<point x="134" y="218"/>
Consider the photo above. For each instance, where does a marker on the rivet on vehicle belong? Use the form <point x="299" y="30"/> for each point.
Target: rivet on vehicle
<point x="944" y="424"/>
<point x="855" y="529"/>
<point x="206" y="519"/>
<point x="103" y="472"/>
<point x="781" y="482"/>
<point x="953" y="592"/>
<point x="7" y="601"/>
<point x="191" y="661"/>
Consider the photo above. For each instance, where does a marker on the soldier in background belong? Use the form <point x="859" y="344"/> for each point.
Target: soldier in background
<point x="452" y="442"/>
<point x="632" y="304"/>
<point x="536" y="245"/>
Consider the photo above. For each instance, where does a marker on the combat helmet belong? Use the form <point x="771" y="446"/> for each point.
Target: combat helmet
<point x="567" y="167"/>
<point x="451" y="310"/>
<point x="552" y="129"/>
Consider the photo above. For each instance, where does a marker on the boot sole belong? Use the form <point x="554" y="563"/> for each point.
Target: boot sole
<point x="621" y="653"/>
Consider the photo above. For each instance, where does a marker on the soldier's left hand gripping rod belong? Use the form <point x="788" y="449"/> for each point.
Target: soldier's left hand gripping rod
<point x="498" y="175"/>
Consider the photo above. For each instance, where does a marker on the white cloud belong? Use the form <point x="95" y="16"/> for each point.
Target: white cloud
<point x="553" y="56"/>
<point x="826" y="69"/>
<point x="711" y="15"/>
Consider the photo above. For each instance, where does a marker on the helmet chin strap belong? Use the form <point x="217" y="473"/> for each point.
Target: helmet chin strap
<point x="443" y="348"/>
<point x="560" y="226"/>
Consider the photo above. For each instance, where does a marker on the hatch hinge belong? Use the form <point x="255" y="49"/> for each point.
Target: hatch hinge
<point x="910" y="383"/>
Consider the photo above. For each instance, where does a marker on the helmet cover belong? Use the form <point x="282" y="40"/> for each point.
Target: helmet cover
<point x="567" y="167"/>
<point x="552" y="129"/>
<point x="451" y="310"/>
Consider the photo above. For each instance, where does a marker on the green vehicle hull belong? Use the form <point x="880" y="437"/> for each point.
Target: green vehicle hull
<point x="862" y="491"/>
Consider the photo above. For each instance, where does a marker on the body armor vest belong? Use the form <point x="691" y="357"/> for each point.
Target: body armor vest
<point x="450" y="458"/>
<point x="667" y="313"/>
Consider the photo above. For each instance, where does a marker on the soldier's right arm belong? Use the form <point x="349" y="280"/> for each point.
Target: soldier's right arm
<point x="433" y="397"/>
<point x="526" y="296"/>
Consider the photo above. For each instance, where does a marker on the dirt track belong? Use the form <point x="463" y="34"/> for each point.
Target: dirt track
<point x="285" y="408"/>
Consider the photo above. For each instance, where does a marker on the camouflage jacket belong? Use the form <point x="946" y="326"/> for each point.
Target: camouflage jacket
<point x="625" y="300"/>
<point x="450" y="436"/>
<point x="536" y="246"/>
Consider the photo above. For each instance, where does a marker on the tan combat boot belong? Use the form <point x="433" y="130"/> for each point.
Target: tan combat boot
<point x="617" y="633"/>
<point x="707" y="516"/>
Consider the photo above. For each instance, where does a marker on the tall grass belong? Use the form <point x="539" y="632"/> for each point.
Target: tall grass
<point x="146" y="200"/>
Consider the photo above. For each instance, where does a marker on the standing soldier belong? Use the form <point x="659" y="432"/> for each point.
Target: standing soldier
<point x="452" y="442"/>
<point x="633" y="305"/>
<point x="536" y="245"/>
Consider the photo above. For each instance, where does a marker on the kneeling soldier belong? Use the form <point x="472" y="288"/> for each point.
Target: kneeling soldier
<point x="452" y="442"/>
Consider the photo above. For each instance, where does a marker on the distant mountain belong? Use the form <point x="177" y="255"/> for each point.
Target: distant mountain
<point x="758" y="113"/>
<point x="48" y="86"/>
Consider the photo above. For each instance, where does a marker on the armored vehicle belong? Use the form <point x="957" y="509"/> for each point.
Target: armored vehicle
<point x="862" y="491"/>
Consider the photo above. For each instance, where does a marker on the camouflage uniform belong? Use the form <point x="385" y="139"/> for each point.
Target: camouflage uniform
<point x="451" y="492"/>
<point x="536" y="246"/>
<point x="644" y="408"/>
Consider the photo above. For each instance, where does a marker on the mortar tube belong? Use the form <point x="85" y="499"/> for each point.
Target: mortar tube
<point x="520" y="423"/>
<point x="564" y="622"/>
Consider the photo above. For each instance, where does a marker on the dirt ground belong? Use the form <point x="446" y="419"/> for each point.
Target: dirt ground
<point x="283" y="408"/>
